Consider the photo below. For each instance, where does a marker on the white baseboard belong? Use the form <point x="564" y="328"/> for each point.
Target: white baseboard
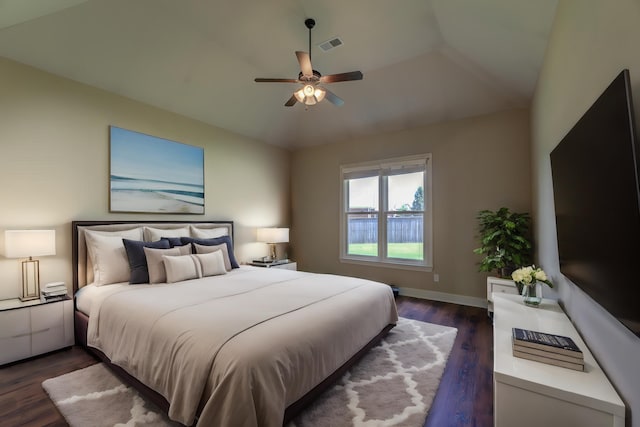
<point x="444" y="297"/>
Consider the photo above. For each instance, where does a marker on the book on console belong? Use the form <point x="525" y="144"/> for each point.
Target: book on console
<point x="549" y="361"/>
<point x="547" y="342"/>
<point x="577" y="358"/>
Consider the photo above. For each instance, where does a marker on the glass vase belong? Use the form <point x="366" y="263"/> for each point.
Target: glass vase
<point x="532" y="294"/>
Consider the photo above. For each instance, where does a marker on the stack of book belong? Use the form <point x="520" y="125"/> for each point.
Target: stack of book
<point x="555" y="350"/>
<point x="269" y="262"/>
<point x="54" y="291"/>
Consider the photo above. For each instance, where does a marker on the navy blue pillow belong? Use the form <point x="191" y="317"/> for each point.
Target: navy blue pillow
<point x="173" y="241"/>
<point x="213" y="242"/>
<point x="138" y="260"/>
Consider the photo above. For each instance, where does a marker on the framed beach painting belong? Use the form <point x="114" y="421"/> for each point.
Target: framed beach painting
<point x="155" y="175"/>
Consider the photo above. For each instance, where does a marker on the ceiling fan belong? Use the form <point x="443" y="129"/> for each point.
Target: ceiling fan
<point x="312" y="90"/>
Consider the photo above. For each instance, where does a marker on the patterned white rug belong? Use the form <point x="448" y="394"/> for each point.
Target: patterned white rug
<point x="392" y="385"/>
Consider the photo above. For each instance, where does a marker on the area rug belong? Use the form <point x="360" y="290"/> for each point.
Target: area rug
<point x="392" y="385"/>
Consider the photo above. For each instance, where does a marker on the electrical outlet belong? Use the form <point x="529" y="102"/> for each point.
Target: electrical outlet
<point x="436" y="277"/>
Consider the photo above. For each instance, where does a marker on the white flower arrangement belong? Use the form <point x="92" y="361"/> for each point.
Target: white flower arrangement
<point x="528" y="276"/>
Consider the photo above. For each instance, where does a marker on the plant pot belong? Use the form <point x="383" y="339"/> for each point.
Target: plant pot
<point x="506" y="272"/>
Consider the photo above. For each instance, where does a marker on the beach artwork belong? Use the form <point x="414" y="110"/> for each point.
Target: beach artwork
<point x="155" y="175"/>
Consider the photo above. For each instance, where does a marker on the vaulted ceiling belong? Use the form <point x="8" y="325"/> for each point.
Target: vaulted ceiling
<point x="424" y="61"/>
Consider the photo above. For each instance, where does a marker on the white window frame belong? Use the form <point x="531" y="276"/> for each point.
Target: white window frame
<point x="368" y="168"/>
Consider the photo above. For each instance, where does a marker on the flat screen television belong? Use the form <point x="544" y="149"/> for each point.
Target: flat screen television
<point x="597" y="203"/>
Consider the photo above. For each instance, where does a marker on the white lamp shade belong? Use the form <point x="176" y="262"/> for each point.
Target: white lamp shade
<point x="273" y="235"/>
<point x="29" y="243"/>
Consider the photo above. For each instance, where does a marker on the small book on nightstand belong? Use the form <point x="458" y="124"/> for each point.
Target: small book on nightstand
<point x="54" y="291"/>
<point x="261" y="262"/>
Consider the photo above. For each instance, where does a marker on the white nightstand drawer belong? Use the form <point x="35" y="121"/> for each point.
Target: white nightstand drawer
<point x="47" y="316"/>
<point x="14" y="323"/>
<point x="15" y="348"/>
<point x="47" y="340"/>
<point x="505" y="289"/>
<point x="287" y="266"/>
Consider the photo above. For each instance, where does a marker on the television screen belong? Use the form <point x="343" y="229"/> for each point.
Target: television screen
<point x="597" y="204"/>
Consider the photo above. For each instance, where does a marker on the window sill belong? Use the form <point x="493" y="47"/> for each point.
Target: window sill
<point x="387" y="264"/>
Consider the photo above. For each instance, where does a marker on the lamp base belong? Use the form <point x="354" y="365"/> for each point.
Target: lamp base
<point x="30" y="280"/>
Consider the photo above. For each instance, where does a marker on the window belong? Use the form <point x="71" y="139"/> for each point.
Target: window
<point x="386" y="212"/>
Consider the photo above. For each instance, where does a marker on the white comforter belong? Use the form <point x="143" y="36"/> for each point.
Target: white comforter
<point x="239" y="348"/>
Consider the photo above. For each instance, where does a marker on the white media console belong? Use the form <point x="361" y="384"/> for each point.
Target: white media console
<point x="528" y="393"/>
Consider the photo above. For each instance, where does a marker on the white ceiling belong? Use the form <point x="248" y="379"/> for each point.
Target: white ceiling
<point x="424" y="61"/>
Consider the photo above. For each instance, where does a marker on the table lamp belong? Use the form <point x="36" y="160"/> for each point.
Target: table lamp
<point x="27" y="244"/>
<point x="271" y="236"/>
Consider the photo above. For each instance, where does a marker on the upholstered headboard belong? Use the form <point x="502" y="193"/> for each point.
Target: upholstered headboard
<point x="82" y="268"/>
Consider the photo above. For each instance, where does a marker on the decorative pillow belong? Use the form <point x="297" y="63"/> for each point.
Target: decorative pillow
<point x="155" y="263"/>
<point x="182" y="267"/>
<point x="173" y="241"/>
<point x="211" y="242"/>
<point x="152" y="234"/>
<point x="212" y="264"/>
<point x="208" y="233"/>
<point x="108" y="256"/>
<point x="203" y="249"/>
<point x="138" y="260"/>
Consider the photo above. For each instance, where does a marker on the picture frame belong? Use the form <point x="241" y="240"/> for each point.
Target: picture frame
<point x="149" y="174"/>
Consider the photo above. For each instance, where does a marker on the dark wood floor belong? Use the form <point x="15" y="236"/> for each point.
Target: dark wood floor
<point x="465" y="396"/>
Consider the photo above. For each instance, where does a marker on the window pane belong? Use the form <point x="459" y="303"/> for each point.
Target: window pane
<point x="405" y="236"/>
<point x="363" y="194"/>
<point x="406" y="192"/>
<point x="362" y="234"/>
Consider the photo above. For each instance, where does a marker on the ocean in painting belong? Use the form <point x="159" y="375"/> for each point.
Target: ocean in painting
<point x="151" y="174"/>
<point x="144" y="195"/>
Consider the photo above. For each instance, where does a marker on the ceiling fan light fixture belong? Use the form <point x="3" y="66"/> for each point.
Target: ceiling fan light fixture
<point x="319" y="94"/>
<point x="309" y="95"/>
<point x="308" y="90"/>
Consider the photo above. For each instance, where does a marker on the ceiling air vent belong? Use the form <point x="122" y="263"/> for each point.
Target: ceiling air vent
<point x="330" y="44"/>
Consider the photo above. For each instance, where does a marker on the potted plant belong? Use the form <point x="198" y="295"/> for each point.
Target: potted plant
<point x="504" y="240"/>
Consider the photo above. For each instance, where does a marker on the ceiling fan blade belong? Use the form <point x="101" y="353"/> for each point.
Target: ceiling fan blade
<point x="305" y="63"/>
<point x="333" y="98"/>
<point x="342" y="77"/>
<point x="259" y="80"/>
<point x="291" y="102"/>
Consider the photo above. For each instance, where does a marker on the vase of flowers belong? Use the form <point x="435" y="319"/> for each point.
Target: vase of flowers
<point x="529" y="280"/>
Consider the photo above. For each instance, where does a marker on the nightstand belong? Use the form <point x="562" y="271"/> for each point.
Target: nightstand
<point x="30" y="328"/>
<point x="288" y="265"/>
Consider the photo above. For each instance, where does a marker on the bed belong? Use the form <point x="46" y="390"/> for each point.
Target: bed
<point x="213" y="342"/>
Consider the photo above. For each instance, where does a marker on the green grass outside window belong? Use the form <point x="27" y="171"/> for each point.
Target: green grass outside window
<point x="411" y="251"/>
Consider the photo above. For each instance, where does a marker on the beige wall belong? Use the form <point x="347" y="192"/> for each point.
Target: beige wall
<point x="478" y="163"/>
<point x="54" y="166"/>
<point x="591" y="42"/>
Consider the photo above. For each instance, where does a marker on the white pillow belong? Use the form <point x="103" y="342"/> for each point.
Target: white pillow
<point x="204" y="249"/>
<point x="212" y="264"/>
<point x="181" y="268"/>
<point x="208" y="233"/>
<point x="152" y="234"/>
<point x="155" y="263"/>
<point x="108" y="256"/>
